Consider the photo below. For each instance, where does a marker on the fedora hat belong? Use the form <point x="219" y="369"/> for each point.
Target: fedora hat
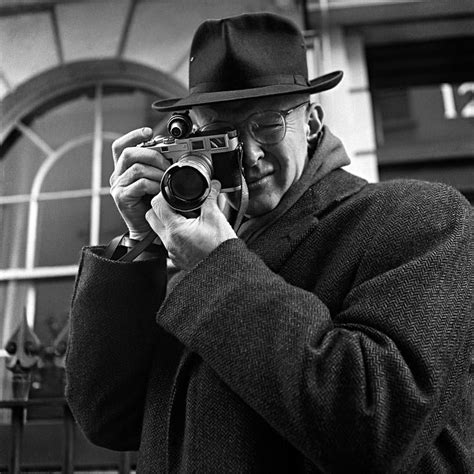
<point x="247" y="57"/>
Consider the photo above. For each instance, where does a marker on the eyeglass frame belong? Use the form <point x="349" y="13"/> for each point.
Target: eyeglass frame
<point x="283" y="114"/>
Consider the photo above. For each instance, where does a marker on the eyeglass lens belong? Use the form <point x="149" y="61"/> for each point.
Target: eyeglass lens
<point x="267" y="128"/>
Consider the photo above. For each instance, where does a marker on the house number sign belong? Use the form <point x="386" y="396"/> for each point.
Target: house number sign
<point x="452" y="109"/>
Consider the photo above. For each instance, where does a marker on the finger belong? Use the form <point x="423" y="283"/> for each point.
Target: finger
<point x="132" y="138"/>
<point x="135" y="190"/>
<point x="136" y="172"/>
<point x="167" y="215"/>
<point x="132" y="155"/>
<point x="156" y="224"/>
<point x="210" y="204"/>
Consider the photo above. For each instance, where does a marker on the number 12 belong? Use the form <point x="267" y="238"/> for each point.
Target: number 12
<point x="447" y="92"/>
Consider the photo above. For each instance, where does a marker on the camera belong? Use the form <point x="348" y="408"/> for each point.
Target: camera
<point x="213" y="152"/>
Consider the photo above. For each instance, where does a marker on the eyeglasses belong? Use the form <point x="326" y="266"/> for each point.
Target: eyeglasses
<point x="266" y="128"/>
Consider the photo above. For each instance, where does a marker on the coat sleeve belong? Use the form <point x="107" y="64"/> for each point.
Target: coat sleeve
<point x="365" y="387"/>
<point x="113" y="335"/>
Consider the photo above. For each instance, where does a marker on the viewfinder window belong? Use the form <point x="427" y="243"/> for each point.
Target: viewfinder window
<point x="197" y="145"/>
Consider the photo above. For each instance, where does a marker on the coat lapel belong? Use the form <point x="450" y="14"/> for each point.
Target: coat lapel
<point x="276" y="244"/>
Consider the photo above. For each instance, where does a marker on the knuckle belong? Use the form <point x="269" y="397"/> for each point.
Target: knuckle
<point x="142" y="184"/>
<point x="127" y="156"/>
<point x="138" y="170"/>
<point x="112" y="179"/>
<point x="149" y="215"/>
<point x="116" y="194"/>
<point x="157" y="205"/>
<point x="155" y="202"/>
<point x="130" y="156"/>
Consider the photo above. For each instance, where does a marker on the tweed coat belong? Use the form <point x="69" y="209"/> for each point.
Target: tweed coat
<point x="338" y="340"/>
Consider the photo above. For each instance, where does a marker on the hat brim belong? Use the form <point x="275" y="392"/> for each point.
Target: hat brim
<point x="320" y="84"/>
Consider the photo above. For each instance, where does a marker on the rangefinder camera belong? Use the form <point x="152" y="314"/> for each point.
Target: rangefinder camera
<point x="197" y="158"/>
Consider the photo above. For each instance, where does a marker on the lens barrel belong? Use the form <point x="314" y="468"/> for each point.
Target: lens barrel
<point x="186" y="184"/>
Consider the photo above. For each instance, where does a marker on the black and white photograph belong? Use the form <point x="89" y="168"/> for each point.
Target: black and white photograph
<point x="236" y="236"/>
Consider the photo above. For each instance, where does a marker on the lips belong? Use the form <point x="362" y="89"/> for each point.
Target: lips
<point x="255" y="179"/>
<point x="259" y="183"/>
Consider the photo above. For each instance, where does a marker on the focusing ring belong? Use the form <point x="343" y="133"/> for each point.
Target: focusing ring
<point x="200" y="165"/>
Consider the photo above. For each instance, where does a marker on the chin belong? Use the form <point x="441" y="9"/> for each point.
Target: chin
<point x="258" y="206"/>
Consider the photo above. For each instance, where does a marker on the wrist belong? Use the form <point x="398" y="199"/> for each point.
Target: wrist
<point x="130" y="242"/>
<point x="136" y="235"/>
<point x="126" y="249"/>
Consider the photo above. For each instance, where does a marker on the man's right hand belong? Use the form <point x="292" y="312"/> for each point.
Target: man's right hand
<point x="138" y="172"/>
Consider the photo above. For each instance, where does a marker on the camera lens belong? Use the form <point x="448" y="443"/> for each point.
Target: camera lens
<point x="188" y="184"/>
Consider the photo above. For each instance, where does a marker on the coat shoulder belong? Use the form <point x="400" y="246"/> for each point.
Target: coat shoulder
<point x="420" y="201"/>
<point x="424" y="193"/>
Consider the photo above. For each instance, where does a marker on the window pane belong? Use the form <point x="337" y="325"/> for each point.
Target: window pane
<point x="67" y="120"/>
<point x="19" y="167"/>
<point x="12" y="303"/>
<point x="53" y="300"/>
<point x="71" y="171"/>
<point x="107" y="162"/>
<point x="63" y="228"/>
<point x="13" y="221"/>
<point x="127" y="109"/>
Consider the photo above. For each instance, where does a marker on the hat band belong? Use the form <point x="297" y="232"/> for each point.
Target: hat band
<point x="261" y="81"/>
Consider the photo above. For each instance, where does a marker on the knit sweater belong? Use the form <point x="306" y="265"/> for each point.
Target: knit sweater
<point x="337" y="340"/>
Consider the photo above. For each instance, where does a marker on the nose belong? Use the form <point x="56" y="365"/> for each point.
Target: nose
<point x="252" y="149"/>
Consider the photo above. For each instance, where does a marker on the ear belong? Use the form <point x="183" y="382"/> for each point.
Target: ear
<point x="314" y="121"/>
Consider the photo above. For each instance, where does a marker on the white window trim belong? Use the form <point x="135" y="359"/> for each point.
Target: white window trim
<point x="30" y="272"/>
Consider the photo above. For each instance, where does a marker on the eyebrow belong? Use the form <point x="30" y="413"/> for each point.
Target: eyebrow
<point x="211" y="115"/>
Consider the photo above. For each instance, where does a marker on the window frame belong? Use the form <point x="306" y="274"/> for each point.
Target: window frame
<point x="35" y="97"/>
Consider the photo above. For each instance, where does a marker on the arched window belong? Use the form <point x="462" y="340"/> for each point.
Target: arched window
<point x="55" y="166"/>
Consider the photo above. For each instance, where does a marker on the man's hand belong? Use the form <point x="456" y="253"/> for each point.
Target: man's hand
<point x="190" y="240"/>
<point x="138" y="172"/>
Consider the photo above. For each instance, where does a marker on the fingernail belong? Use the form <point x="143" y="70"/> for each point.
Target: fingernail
<point x="146" y="131"/>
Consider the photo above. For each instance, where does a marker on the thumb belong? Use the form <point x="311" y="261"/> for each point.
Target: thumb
<point x="211" y="201"/>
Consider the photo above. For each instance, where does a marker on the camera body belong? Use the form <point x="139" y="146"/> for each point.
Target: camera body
<point x="196" y="160"/>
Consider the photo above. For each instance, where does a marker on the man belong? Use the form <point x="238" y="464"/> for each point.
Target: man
<point x="330" y="332"/>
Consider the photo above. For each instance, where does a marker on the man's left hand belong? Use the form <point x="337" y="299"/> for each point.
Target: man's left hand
<point x="190" y="240"/>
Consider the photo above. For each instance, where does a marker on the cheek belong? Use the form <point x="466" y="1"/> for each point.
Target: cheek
<point x="299" y="154"/>
<point x="291" y="163"/>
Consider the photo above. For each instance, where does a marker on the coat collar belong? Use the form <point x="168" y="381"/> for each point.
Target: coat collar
<point x="326" y="154"/>
<point x="275" y="243"/>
